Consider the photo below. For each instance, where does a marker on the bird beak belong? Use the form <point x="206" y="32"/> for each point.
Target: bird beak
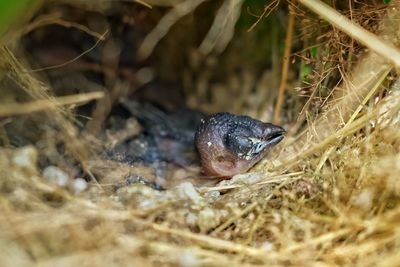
<point x="274" y="135"/>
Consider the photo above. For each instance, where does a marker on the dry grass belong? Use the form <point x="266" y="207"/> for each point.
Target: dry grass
<point x="331" y="197"/>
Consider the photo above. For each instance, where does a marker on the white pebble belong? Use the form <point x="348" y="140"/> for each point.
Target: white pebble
<point x="212" y="196"/>
<point x="267" y="246"/>
<point x="79" y="185"/>
<point x="191" y="219"/>
<point x="25" y="157"/>
<point x="363" y="200"/>
<point x="207" y="219"/>
<point x="188" y="259"/>
<point x="187" y="190"/>
<point x="56" y="176"/>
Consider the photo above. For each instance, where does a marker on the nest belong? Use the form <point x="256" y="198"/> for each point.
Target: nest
<point x="328" y="195"/>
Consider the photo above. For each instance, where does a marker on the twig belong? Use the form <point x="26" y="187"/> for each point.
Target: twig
<point x="39" y="105"/>
<point x="345" y="131"/>
<point x="267" y="10"/>
<point x="223" y="27"/>
<point x="56" y="19"/>
<point x="232" y="219"/>
<point x="341" y="133"/>
<point x="164" y="25"/>
<point x="285" y="67"/>
<point x="101" y="38"/>
<point x="319" y="240"/>
<point x="267" y="180"/>
<point x="370" y="40"/>
<point x="211" y="242"/>
<point x="352" y="118"/>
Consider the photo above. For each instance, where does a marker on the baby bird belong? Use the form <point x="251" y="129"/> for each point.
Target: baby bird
<point x="230" y="144"/>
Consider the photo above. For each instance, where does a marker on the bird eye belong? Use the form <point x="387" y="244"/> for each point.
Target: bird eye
<point x="259" y="147"/>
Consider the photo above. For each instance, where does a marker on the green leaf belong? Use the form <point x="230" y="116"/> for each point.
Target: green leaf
<point x="314" y="52"/>
<point x="386" y="1"/>
<point x="305" y="71"/>
<point x="12" y="12"/>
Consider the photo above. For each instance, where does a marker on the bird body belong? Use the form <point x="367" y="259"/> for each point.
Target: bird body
<point x="226" y="144"/>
